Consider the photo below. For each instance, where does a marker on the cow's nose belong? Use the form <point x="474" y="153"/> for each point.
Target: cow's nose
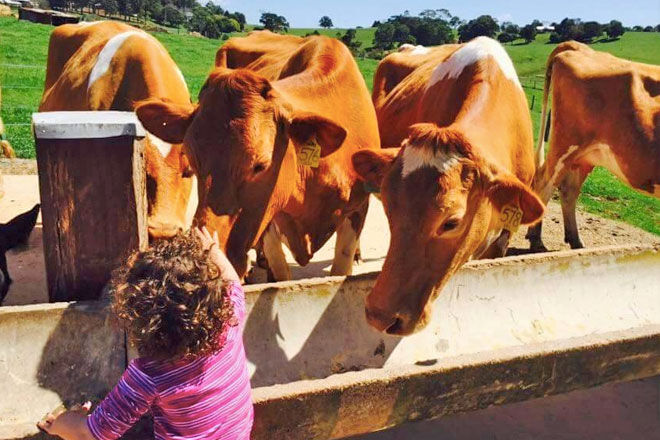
<point x="161" y="230"/>
<point x="384" y="321"/>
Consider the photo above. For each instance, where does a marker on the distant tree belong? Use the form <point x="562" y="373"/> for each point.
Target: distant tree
<point x="274" y="22"/>
<point x="455" y="22"/>
<point x="402" y="34"/>
<point x="110" y="7"/>
<point x="505" y="37"/>
<point x="649" y="29"/>
<point x="376" y="23"/>
<point x="227" y="25"/>
<point x="384" y="36"/>
<point x="428" y="13"/>
<point x="172" y="16"/>
<point x="214" y="9"/>
<point x="591" y="30"/>
<point x="657" y="28"/>
<point x="510" y="28"/>
<point x="638" y="28"/>
<point x="325" y="22"/>
<point x="484" y="25"/>
<point x="536" y="23"/>
<point x="432" y="33"/>
<point x="349" y="40"/>
<point x="240" y="18"/>
<point x="614" y="29"/>
<point x="528" y="33"/>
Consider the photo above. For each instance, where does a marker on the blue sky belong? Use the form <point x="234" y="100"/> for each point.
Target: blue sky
<point x="351" y="13"/>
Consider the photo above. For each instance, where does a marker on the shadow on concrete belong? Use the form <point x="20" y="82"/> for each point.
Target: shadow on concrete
<point x="340" y="341"/>
<point x="83" y="355"/>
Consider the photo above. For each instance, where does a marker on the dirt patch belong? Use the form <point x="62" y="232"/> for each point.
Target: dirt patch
<point x="18" y="166"/>
<point x="594" y="231"/>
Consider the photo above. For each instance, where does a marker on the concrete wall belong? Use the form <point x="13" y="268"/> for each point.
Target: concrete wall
<point x="54" y="353"/>
<point x="502" y="331"/>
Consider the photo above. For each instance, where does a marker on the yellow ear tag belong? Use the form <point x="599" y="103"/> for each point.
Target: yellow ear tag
<point x="511" y="216"/>
<point x="310" y="154"/>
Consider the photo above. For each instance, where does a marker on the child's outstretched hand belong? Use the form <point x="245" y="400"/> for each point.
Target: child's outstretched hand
<point x="227" y="271"/>
<point x="69" y="425"/>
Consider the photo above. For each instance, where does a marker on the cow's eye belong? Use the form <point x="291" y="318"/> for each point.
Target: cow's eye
<point x="450" y="225"/>
<point x="258" y="168"/>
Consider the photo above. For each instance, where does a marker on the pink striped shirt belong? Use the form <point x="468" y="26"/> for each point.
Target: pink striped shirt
<point x="204" y="398"/>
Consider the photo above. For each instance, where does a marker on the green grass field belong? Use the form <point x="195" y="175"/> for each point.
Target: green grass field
<point x="24" y="46"/>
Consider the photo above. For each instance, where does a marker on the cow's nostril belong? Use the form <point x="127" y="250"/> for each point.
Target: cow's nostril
<point x="395" y="327"/>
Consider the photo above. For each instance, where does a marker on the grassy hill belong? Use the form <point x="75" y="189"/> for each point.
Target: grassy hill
<point x="23" y="52"/>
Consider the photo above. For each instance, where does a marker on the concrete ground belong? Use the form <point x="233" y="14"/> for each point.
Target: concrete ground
<point x="622" y="411"/>
<point x="26" y="266"/>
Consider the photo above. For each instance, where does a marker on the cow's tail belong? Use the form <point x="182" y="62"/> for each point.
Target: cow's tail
<point x="544" y="130"/>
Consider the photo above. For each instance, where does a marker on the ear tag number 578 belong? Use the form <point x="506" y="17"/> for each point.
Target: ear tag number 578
<point x="310" y="154"/>
<point x="511" y="216"/>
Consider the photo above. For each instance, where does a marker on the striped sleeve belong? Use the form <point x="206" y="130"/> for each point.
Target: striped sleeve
<point x="126" y="403"/>
<point x="237" y="296"/>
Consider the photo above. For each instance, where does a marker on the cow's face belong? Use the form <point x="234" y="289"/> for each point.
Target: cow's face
<point x="169" y="181"/>
<point x="241" y="140"/>
<point x="443" y="205"/>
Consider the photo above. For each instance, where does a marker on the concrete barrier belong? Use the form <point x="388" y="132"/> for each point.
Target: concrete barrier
<point x="54" y="353"/>
<point x="502" y="331"/>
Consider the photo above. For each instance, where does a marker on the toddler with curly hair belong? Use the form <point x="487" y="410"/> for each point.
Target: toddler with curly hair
<point x="183" y="308"/>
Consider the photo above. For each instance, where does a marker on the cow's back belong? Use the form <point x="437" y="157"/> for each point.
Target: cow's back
<point x="263" y="52"/>
<point x="108" y="66"/>
<point x="399" y="85"/>
<point x="599" y="99"/>
<point x="477" y="93"/>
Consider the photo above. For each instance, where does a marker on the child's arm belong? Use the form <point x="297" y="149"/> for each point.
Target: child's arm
<point x="126" y="403"/>
<point x="227" y="271"/>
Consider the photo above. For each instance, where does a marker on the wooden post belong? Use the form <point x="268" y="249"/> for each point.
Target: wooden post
<point x="92" y="182"/>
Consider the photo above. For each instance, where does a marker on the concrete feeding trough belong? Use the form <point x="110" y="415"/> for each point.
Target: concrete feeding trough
<point x="501" y="331"/>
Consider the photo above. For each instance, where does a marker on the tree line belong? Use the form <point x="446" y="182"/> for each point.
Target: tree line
<point x="210" y="20"/>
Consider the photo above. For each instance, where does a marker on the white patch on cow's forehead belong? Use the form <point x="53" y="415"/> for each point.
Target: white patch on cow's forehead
<point x="161" y="145"/>
<point x="470" y="53"/>
<point x="414" y="158"/>
<point x="107" y="53"/>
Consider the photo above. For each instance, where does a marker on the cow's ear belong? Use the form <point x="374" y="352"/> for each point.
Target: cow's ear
<point x="372" y="165"/>
<point x="166" y="120"/>
<point x="306" y="128"/>
<point x="507" y="190"/>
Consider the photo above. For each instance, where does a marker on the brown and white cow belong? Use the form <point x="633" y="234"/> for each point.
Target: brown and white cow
<point x="605" y="112"/>
<point x="111" y="66"/>
<point x="271" y="104"/>
<point x="458" y="186"/>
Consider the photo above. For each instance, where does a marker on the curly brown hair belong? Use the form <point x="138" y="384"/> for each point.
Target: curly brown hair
<point x="172" y="301"/>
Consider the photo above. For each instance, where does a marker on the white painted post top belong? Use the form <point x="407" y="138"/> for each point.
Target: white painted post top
<point x="86" y="125"/>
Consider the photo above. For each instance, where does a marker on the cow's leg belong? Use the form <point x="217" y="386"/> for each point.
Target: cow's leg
<point x="6" y="282"/>
<point x="544" y="185"/>
<point x="357" y="258"/>
<point x="272" y="246"/>
<point x="348" y="239"/>
<point x="569" y="189"/>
